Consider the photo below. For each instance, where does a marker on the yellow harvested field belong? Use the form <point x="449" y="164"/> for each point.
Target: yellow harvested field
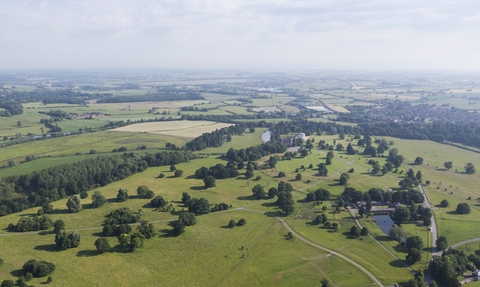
<point x="187" y="129"/>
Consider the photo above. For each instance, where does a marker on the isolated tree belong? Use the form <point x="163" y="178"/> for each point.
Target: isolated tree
<point x="418" y="160"/>
<point x="344" y="179"/>
<point x="396" y="232"/>
<point x="178" y="227"/>
<point x="172" y="167"/>
<point x="322" y="170"/>
<point x="444" y="203"/>
<point x="58" y="225"/>
<point x="463" y="208"/>
<point x="298" y="176"/>
<point x="122" y="194"/>
<point x="448" y="165"/>
<point x="364" y="231"/>
<point x="178" y="173"/>
<point x="142" y="191"/>
<point x="441" y="243"/>
<point x="74" y="204"/>
<point x="355" y="231"/>
<point x="281" y="174"/>
<point x="209" y="181"/>
<point x="232" y="223"/>
<point x="469" y="168"/>
<point x="38" y="268"/>
<point x="242" y="222"/>
<point x="158" y="201"/>
<point x="328" y="160"/>
<point x="350" y="149"/>
<point x="258" y="192"/>
<point x="66" y="240"/>
<point x="98" y="199"/>
<point x="102" y="245"/>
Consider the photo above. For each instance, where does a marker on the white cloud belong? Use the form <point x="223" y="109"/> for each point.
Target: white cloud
<point x="327" y="34"/>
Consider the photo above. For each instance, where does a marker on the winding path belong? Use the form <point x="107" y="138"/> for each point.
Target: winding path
<point x="355" y="264"/>
<point x="379" y="243"/>
<point x="358" y="266"/>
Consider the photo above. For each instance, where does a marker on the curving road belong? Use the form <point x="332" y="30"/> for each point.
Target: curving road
<point x="358" y="266"/>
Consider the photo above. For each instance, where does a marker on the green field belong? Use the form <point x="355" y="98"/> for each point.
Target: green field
<point x="454" y="186"/>
<point x="102" y="142"/>
<point x="209" y="254"/>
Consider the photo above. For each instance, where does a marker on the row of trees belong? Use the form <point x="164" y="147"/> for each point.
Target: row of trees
<point x="350" y="194"/>
<point x="41" y="187"/>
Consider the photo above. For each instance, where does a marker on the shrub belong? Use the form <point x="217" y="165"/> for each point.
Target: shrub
<point x="242" y="222"/>
<point x="38" y="268"/>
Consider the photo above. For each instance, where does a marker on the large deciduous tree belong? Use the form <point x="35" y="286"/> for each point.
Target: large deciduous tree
<point x="74" y="203"/>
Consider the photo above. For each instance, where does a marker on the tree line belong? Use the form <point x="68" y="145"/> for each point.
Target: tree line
<point x="38" y="188"/>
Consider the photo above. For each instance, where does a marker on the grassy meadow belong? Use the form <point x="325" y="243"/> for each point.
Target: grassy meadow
<point x="453" y="185"/>
<point x="198" y="257"/>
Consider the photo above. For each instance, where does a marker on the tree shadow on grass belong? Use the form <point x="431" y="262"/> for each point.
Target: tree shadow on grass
<point x="245" y="197"/>
<point x="98" y="234"/>
<point x="47" y="247"/>
<point x="453" y="212"/>
<point x="269" y="204"/>
<point x="197" y="187"/>
<point x="60" y="211"/>
<point x="166" y="233"/>
<point x="348" y="235"/>
<point x="383" y="238"/>
<point x="17" y="273"/>
<point x="400" y="248"/>
<point x="396" y="263"/>
<point x="87" y="253"/>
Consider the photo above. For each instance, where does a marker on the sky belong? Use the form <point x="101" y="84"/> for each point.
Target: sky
<point x="241" y="34"/>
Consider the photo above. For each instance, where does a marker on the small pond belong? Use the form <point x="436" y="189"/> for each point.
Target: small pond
<point x="266" y="136"/>
<point x="385" y="222"/>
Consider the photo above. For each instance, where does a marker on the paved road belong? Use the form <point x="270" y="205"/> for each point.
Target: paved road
<point x="426" y="204"/>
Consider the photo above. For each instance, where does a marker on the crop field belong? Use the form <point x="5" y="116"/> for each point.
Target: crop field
<point x="187" y="129"/>
<point x="236" y="110"/>
<point x="102" y="142"/>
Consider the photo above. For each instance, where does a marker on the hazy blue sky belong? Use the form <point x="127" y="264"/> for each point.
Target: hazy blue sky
<point x="241" y="34"/>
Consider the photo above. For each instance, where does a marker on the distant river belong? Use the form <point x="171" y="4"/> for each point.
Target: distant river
<point x="385" y="222"/>
<point x="266" y="136"/>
